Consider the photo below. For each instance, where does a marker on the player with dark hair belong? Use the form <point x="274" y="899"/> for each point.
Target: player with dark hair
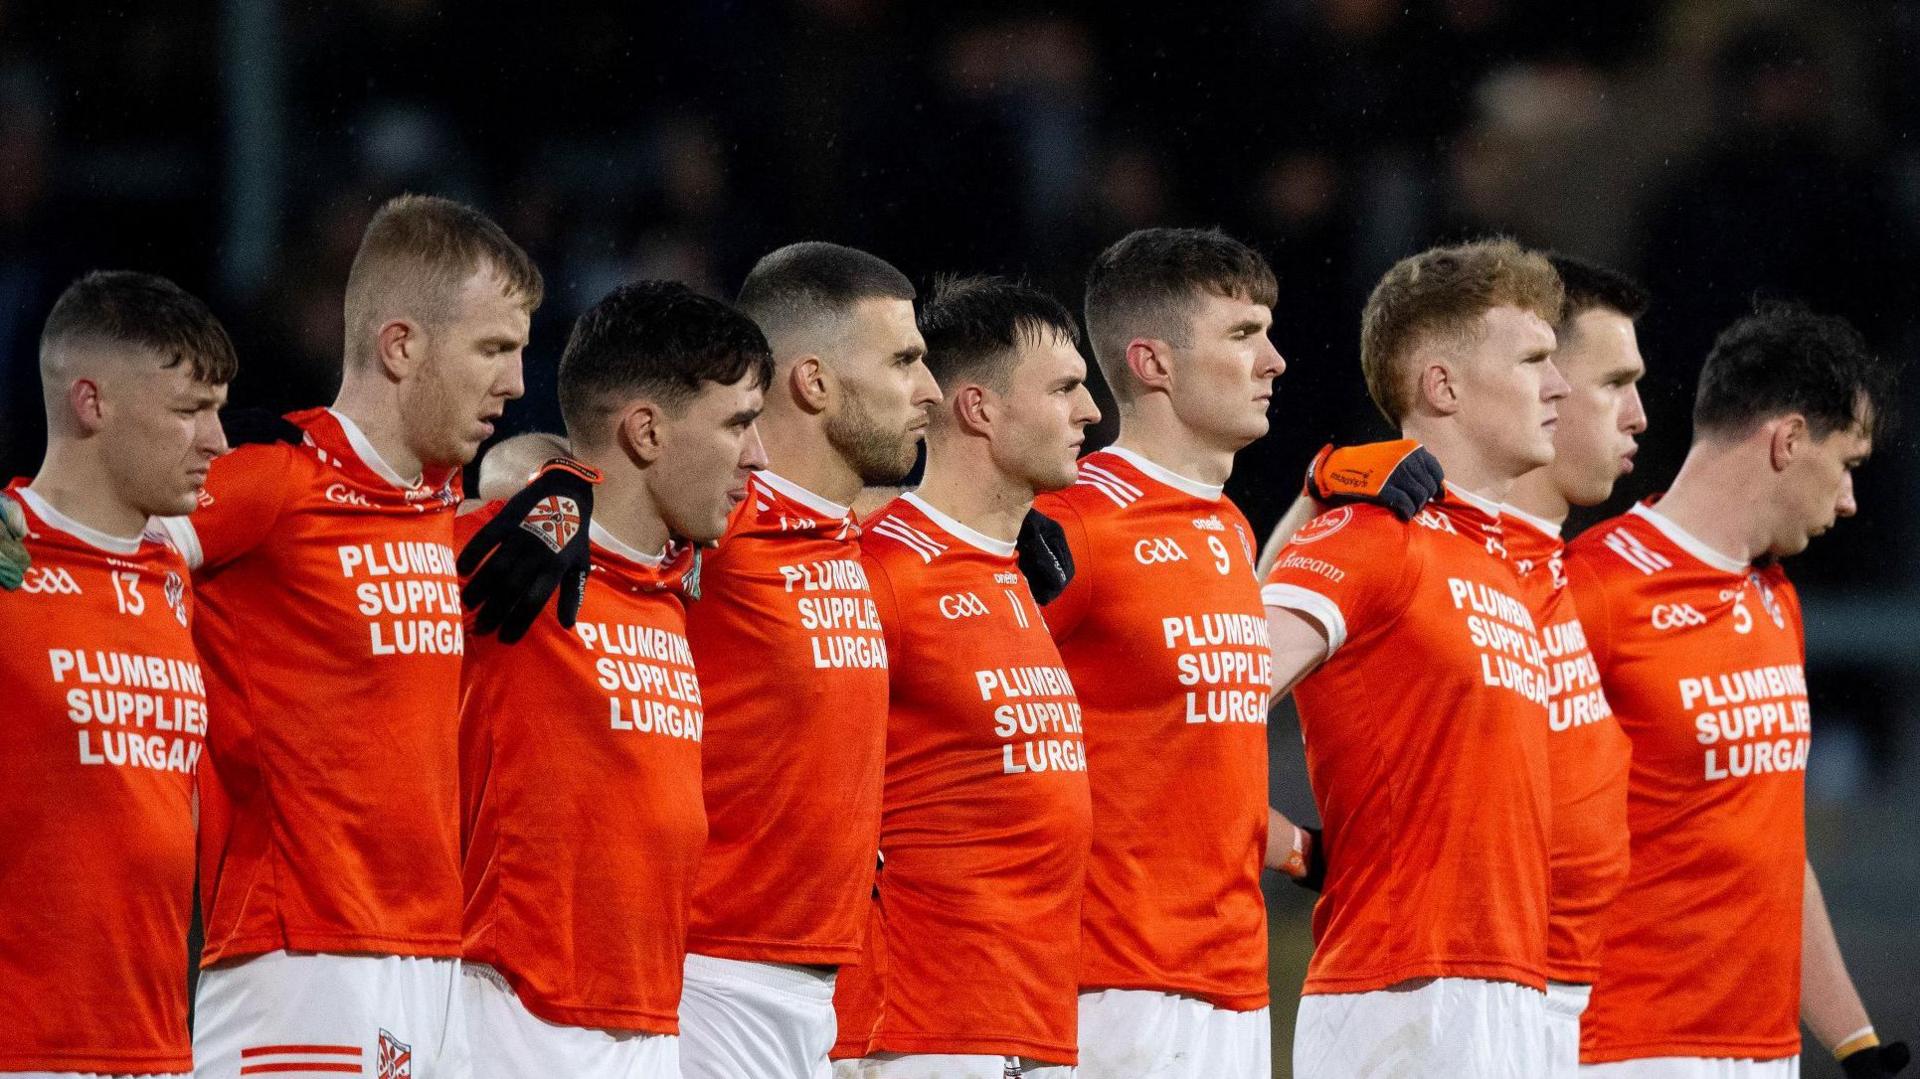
<point x="1598" y="353"/>
<point x="796" y="691"/>
<point x="107" y="710"/>
<point x="1430" y="937"/>
<point x="576" y="912"/>
<point x="1719" y="944"/>
<point x="330" y="628"/>
<point x="1162" y="633"/>
<point x="971" y="967"/>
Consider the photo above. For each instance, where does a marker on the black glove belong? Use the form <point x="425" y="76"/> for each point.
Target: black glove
<point x="536" y="544"/>
<point x="1877" y="1062"/>
<point x="1315" y="878"/>
<point x="1044" y="557"/>
<point x="1400" y="475"/>
<point x="249" y="426"/>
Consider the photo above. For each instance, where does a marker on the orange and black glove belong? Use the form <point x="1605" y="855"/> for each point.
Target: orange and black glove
<point x="1863" y="1057"/>
<point x="1400" y="475"/>
<point x="537" y="544"/>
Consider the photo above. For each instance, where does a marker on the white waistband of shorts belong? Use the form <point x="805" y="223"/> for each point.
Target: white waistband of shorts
<point x="805" y="981"/>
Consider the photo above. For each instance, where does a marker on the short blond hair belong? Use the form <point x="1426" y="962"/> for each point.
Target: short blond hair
<point x="1442" y="292"/>
<point x="416" y="253"/>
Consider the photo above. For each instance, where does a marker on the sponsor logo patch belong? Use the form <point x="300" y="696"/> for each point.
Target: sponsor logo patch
<point x="1323" y="526"/>
<point x="555" y="519"/>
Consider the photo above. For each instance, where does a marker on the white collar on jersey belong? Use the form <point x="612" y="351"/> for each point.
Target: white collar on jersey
<point x="1687" y="541"/>
<point x="369" y="456"/>
<point x="603" y="537"/>
<point x="1206" y="491"/>
<point x="1480" y="502"/>
<point x="971" y="536"/>
<point x="91" y="536"/>
<point x="786" y="488"/>
<point x="1539" y="524"/>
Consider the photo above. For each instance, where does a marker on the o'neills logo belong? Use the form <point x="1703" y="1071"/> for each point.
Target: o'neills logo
<point x="555" y="519"/>
<point x="1324" y="525"/>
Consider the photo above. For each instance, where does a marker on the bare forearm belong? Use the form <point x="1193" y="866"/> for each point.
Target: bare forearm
<point x="1304" y="509"/>
<point x="1829" y="1003"/>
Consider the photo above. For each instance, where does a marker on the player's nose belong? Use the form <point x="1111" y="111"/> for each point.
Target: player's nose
<point x="1845" y="506"/>
<point x="753" y="452"/>
<point x="1634" y="418"/>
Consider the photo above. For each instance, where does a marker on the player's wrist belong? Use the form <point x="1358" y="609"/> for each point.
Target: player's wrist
<point x="1864" y="1038"/>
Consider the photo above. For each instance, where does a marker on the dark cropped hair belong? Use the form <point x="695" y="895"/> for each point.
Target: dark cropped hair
<point x="1785" y="358"/>
<point x="146" y="311"/>
<point x="1148" y="283"/>
<point x="975" y="325"/>
<point x="1593" y="287"/>
<point x="657" y="339"/>
<point x="801" y="284"/>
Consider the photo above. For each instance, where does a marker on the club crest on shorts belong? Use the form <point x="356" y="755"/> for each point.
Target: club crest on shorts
<point x="555" y="519"/>
<point x="395" y="1059"/>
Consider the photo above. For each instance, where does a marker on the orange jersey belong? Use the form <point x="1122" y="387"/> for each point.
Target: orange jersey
<point x="1426" y="736"/>
<point x="796" y="693"/>
<point x="1703" y="658"/>
<point x="1163" y="633"/>
<point x="1587" y="758"/>
<point x="105" y="716"/>
<point x="985" y="815"/>
<point x="581" y="811"/>
<point x="330" y="630"/>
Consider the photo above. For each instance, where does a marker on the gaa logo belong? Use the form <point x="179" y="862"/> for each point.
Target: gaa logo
<point x="1323" y="526"/>
<point x="395" y="1060"/>
<point x="51" y="581"/>
<point x="1161" y="549"/>
<point x="962" y="605"/>
<point x="555" y="519"/>
<point x="1676" y="616"/>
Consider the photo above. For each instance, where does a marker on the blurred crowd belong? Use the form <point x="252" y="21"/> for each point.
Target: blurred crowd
<point x="1720" y="149"/>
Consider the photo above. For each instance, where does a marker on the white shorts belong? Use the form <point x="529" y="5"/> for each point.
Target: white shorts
<point x="1462" y="1028"/>
<point x="948" y="1066"/>
<point x="1566" y="1002"/>
<point x="1142" y="1034"/>
<point x="510" y="1042"/>
<point x="765" y="1020"/>
<point x="395" y="1017"/>
<point x="1694" y="1068"/>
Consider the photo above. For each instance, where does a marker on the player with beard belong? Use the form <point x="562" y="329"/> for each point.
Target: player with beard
<point x="330" y="630"/>
<point x="107" y="705"/>
<point x="1719" y="944"/>
<point x="796" y="689"/>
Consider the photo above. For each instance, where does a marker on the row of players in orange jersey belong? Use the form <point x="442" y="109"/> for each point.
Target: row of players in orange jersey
<point x="633" y="832"/>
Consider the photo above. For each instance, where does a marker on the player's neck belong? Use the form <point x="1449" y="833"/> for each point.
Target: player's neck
<point x="1537" y="495"/>
<point x="80" y="489"/>
<point x="967" y="488"/>
<point x="1467" y="466"/>
<point x="1716" y="500"/>
<point x="1159" y="437"/>
<point x="624" y="506"/>
<point x="798" y="450"/>
<point x="377" y="414"/>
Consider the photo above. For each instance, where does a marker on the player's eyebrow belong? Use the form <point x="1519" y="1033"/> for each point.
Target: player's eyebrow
<point x="1250" y="325"/>
<point x="910" y="353"/>
<point x="744" y="417"/>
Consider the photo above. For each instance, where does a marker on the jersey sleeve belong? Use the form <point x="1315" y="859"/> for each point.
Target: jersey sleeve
<point x="247" y="491"/>
<point x="1589" y="590"/>
<point x="1349" y="570"/>
<point x="885" y="603"/>
<point x="1068" y="608"/>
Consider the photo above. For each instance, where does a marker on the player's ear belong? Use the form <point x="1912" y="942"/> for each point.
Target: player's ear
<point x="973" y="408"/>
<point x="1438" y="386"/>
<point x="641" y="432"/>
<point x="1151" y="362"/>
<point x="83" y="398"/>
<point x="810" y="383"/>
<point x="398" y="348"/>
<point x="1787" y="440"/>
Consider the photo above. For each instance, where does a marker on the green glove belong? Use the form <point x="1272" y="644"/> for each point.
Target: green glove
<point x="13" y="554"/>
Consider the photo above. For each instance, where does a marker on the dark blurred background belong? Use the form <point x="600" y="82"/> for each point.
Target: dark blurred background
<point x="1722" y="150"/>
